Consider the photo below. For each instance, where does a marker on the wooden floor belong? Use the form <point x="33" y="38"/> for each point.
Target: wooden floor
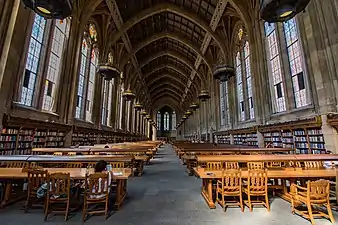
<point x="166" y="195"/>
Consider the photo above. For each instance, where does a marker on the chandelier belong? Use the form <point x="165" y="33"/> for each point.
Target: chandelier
<point x="50" y="9"/>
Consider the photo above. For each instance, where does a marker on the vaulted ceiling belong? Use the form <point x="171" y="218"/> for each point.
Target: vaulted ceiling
<point x="169" y="47"/>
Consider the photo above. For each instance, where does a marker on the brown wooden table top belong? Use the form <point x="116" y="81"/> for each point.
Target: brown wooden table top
<point x="256" y="158"/>
<point x="272" y="173"/>
<point x="80" y="158"/>
<point x="75" y="173"/>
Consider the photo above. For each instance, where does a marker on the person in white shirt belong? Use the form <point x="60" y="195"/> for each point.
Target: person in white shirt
<point x="101" y="167"/>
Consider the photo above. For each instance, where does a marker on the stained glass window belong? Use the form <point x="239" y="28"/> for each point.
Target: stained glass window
<point x="166" y="121"/>
<point x="81" y="87"/>
<point x="173" y="121"/>
<point x="54" y="67"/>
<point x="33" y="60"/>
<point x="248" y="79"/>
<point x="158" y="121"/>
<point x="92" y="32"/>
<point x="275" y="67"/>
<point x="91" y="82"/>
<point x="295" y="62"/>
<point x="240" y="97"/>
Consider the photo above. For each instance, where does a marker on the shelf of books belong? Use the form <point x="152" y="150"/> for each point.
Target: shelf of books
<point x="304" y="136"/>
<point x="223" y="139"/>
<point x="84" y="139"/>
<point x="16" y="141"/>
<point x="48" y="139"/>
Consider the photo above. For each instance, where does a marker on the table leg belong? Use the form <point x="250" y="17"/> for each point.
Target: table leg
<point x="207" y="192"/>
<point x="8" y="193"/>
<point x="121" y="192"/>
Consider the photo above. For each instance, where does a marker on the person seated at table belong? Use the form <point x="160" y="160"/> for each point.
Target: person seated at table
<point x="101" y="167"/>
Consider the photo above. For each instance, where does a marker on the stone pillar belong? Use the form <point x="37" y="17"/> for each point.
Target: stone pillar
<point x="154" y="134"/>
<point x="232" y="140"/>
<point x="330" y="136"/>
<point x="97" y="100"/>
<point x="114" y="107"/>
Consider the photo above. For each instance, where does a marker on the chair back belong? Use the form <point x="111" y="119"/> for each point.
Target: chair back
<point x="16" y="164"/>
<point x="96" y="185"/>
<point x="214" y="166"/>
<point x="313" y="164"/>
<point x="231" y="180"/>
<point x="58" y="184"/>
<point x="74" y="165"/>
<point x="117" y="164"/>
<point x="57" y="153"/>
<point x="255" y="165"/>
<point x="273" y="164"/>
<point x="295" y="164"/>
<point x="318" y="190"/>
<point x="36" y="178"/>
<point x="71" y="153"/>
<point x="231" y="165"/>
<point x="258" y="180"/>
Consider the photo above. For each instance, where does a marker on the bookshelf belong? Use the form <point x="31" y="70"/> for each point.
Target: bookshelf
<point x="251" y="139"/>
<point x="84" y="138"/>
<point x="223" y="139"/>
<point x="303" y="136"/>
<point x="16" y="141"/>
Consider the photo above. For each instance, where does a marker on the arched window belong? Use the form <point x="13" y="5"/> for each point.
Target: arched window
<point x="87" y="75"/>
<point x="240" y="97"/>
<point x="166" y="121"/>
<point x="40" y="58"/>
<point x="173" y="121"/>
<point x="288" y="39"/>
<point x="106" y="102"/>
<point x="158" y="121"/>
<point x="248" y="78"/>
<point x="224" y="103"/>
<point x="275" y="67"/>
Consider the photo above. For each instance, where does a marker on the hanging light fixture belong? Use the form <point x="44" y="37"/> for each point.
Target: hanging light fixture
<point x="128" y="95"/>
<point x="194" y="106"/>
<point x="148" y="117"/>
<point x="281" y="10"/>
<point x="138" y="106"/>
<point x="107" y="71"/>
<point x="50" y="9"/>
<point x="144" y="113"/>
<point x="188" y="113"/>
<point x="203" y="96"/>
<point x="223" y="72"/>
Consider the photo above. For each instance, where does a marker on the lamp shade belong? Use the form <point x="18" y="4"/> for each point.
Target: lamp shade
<point x="281" y="10"/>
<point x="188" y="113"/>
<point x="194" y="106"/>
<point x="128" y="95"/>
<point x="223" y="72"/>
<point x="108" y="71"/>
<point x="144" y="113"/>
<point x="50" y="9"/>
<point x="138" y="106"/>
<point x="203" y="96"/>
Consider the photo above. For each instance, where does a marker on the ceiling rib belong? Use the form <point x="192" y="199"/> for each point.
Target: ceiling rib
<point x="216" y="17"/>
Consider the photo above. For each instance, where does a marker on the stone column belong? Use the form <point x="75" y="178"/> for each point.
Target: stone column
<point x="330" y="136"/>
<point x="114" y="107"/>
<point x="260" y="139"/>
<point x="97" y="100"/>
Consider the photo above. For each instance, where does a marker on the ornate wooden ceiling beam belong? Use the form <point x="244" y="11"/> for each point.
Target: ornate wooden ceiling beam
<point x="166" y="85"/>
<point x="171" y="35"/>
<point x="167" y="92"/>
<point x="216" y="17"/>
<point x="178" y="10"/>
<point x="113" y="8"/>
<point x="166" y="76"/>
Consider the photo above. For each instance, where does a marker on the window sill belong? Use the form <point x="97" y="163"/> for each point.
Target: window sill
<point x="24" y="107"/>
<point x="293" y="111"/>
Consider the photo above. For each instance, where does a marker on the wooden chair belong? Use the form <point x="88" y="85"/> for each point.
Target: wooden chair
<point x="58" y="191"/>
<point x="117" y="164"/>
<point x="316" y="193"/>
<point x="230" y="186"/>
<point x="257" y="185"/>
<point x="35" y="179"/>
<point x="57" y="153"/>
<point x="231" y="165"/>
<point x="16" y="164"/>
<point x="74" y="165"/>
<point x="295" y="164"/>
<point x="313" y="164"/>
<point x="96" y="191"/>
<point x="214" y="166"/>
<point x="255" y="165"/>
<point x="71" y="153"/>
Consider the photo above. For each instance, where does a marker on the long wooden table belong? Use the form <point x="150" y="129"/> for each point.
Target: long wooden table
<point x="10" y="174"/>
<point x="208" y="176"/>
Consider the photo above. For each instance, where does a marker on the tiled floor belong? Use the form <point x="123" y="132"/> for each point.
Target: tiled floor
<point x="166" y="195"/>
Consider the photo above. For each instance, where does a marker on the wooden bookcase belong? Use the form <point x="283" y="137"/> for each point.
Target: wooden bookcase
<point x="223" y="138"/>
<point x="303" y="136"/>
<point x="245" y="136"/>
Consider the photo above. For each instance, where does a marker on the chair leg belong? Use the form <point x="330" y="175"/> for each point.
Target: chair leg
<point x="46" y="210"/>
<point x="310" y="213"/>
<point x="267" y="202"/>
<point x="27" y="204"/>
<point x="84" y="211"/>
<point x="67" y="209"/>
<point x="249" y="202"/>
<point x="292" y="206"/>
<point x="106" y="208"/>
<point x="329" y="211"/>
<point x="241" y="202"/>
